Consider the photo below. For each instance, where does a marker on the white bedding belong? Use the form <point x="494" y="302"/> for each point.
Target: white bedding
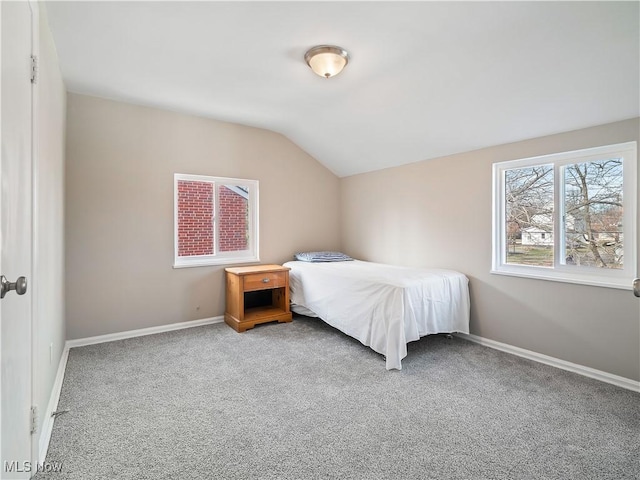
<point x="382" y="306"/>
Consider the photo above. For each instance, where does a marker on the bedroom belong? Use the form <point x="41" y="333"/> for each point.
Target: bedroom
<point x="116" y="156"/>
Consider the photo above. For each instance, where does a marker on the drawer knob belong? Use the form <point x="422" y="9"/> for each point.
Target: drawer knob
<point x="265" y="280"/>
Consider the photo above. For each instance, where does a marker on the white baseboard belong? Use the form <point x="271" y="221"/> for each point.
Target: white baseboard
<point x="555" y="362"/>
<point x="110" y="337"/>
<point x="47" y="423"/>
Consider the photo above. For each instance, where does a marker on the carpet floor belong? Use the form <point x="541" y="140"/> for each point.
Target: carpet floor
<point x="304" y="401"/>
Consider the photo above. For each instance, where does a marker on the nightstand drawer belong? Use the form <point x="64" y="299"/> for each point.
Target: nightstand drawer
<point x="262" y="281"/>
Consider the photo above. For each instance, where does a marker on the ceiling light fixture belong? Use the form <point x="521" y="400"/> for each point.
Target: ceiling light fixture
<point x="326" y="60"/>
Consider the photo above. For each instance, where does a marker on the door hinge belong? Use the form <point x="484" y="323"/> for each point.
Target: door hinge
<point x="34" y="420"/>
<point x="34" y="69"/>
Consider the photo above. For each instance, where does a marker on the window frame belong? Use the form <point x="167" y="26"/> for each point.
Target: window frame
<point x="560" y="272"/>
<point x="251" y="255"/>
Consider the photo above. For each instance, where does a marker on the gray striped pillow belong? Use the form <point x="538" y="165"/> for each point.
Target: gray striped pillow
<point x="322" y="257"/>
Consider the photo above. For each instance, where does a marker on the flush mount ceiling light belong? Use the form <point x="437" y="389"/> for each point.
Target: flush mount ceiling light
<point x="326" y="60"/>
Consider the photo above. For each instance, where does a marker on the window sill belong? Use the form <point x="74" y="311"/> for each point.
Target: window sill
<point x="214" y="262"/>
<point x="618" y="283"/>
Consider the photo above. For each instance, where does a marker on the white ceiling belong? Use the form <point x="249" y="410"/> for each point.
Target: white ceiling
<point x="425" y="79"/>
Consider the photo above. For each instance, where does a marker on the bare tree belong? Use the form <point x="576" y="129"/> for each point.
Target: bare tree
<point x="592" y="222"/>
<point x="529" y="201"/>
<point x="593" y="209"/>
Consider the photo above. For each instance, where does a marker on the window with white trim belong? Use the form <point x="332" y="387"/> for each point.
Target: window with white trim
<point x="568" y="217"/>
<point x="215" y="220"/>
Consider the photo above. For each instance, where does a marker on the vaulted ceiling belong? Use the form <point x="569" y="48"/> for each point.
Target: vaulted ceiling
<point x="425" y="79"/>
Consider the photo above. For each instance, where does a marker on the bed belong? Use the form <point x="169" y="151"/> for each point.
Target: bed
<point x="382" y="306"/>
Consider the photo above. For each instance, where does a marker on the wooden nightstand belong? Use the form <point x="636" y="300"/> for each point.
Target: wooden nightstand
<point x="257" y="294"/>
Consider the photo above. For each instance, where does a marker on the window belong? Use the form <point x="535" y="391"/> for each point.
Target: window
<point x="216" y="220"/>
<point x="568" y="217"/>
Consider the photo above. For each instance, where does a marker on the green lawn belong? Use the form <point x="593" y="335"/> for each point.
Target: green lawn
<point x="542" y="256"/>
<point x="530" y="255"/>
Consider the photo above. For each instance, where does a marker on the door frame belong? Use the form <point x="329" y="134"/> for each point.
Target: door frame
<point x="35" y="156"/>
<point x="1" y="220"/>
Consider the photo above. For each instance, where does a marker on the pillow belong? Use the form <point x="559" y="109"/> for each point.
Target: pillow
<point x="322" y="257"/>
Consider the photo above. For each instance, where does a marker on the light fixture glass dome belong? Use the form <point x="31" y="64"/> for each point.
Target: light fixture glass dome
<point x="326" y="60"/>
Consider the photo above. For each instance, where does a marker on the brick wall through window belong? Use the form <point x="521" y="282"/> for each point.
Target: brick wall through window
<point x="196" y="207"/>
<point x="233" y="224"/>
<point x="195" y="218"/>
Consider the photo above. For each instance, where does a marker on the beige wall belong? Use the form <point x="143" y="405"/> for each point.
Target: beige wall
<point x="119" y="226"/>
<point x="437" y="213"/>
<point x="48" y="264"/>
<point x="119" y="210"/>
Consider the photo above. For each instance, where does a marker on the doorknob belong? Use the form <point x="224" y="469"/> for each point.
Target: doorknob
<point x="20" y="286"/>
<point x="636" y="287"/>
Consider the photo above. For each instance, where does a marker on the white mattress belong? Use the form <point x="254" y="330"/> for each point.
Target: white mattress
<point x="382" y="306"/>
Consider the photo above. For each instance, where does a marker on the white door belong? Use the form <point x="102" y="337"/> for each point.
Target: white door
<point x="16" y="238"/>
